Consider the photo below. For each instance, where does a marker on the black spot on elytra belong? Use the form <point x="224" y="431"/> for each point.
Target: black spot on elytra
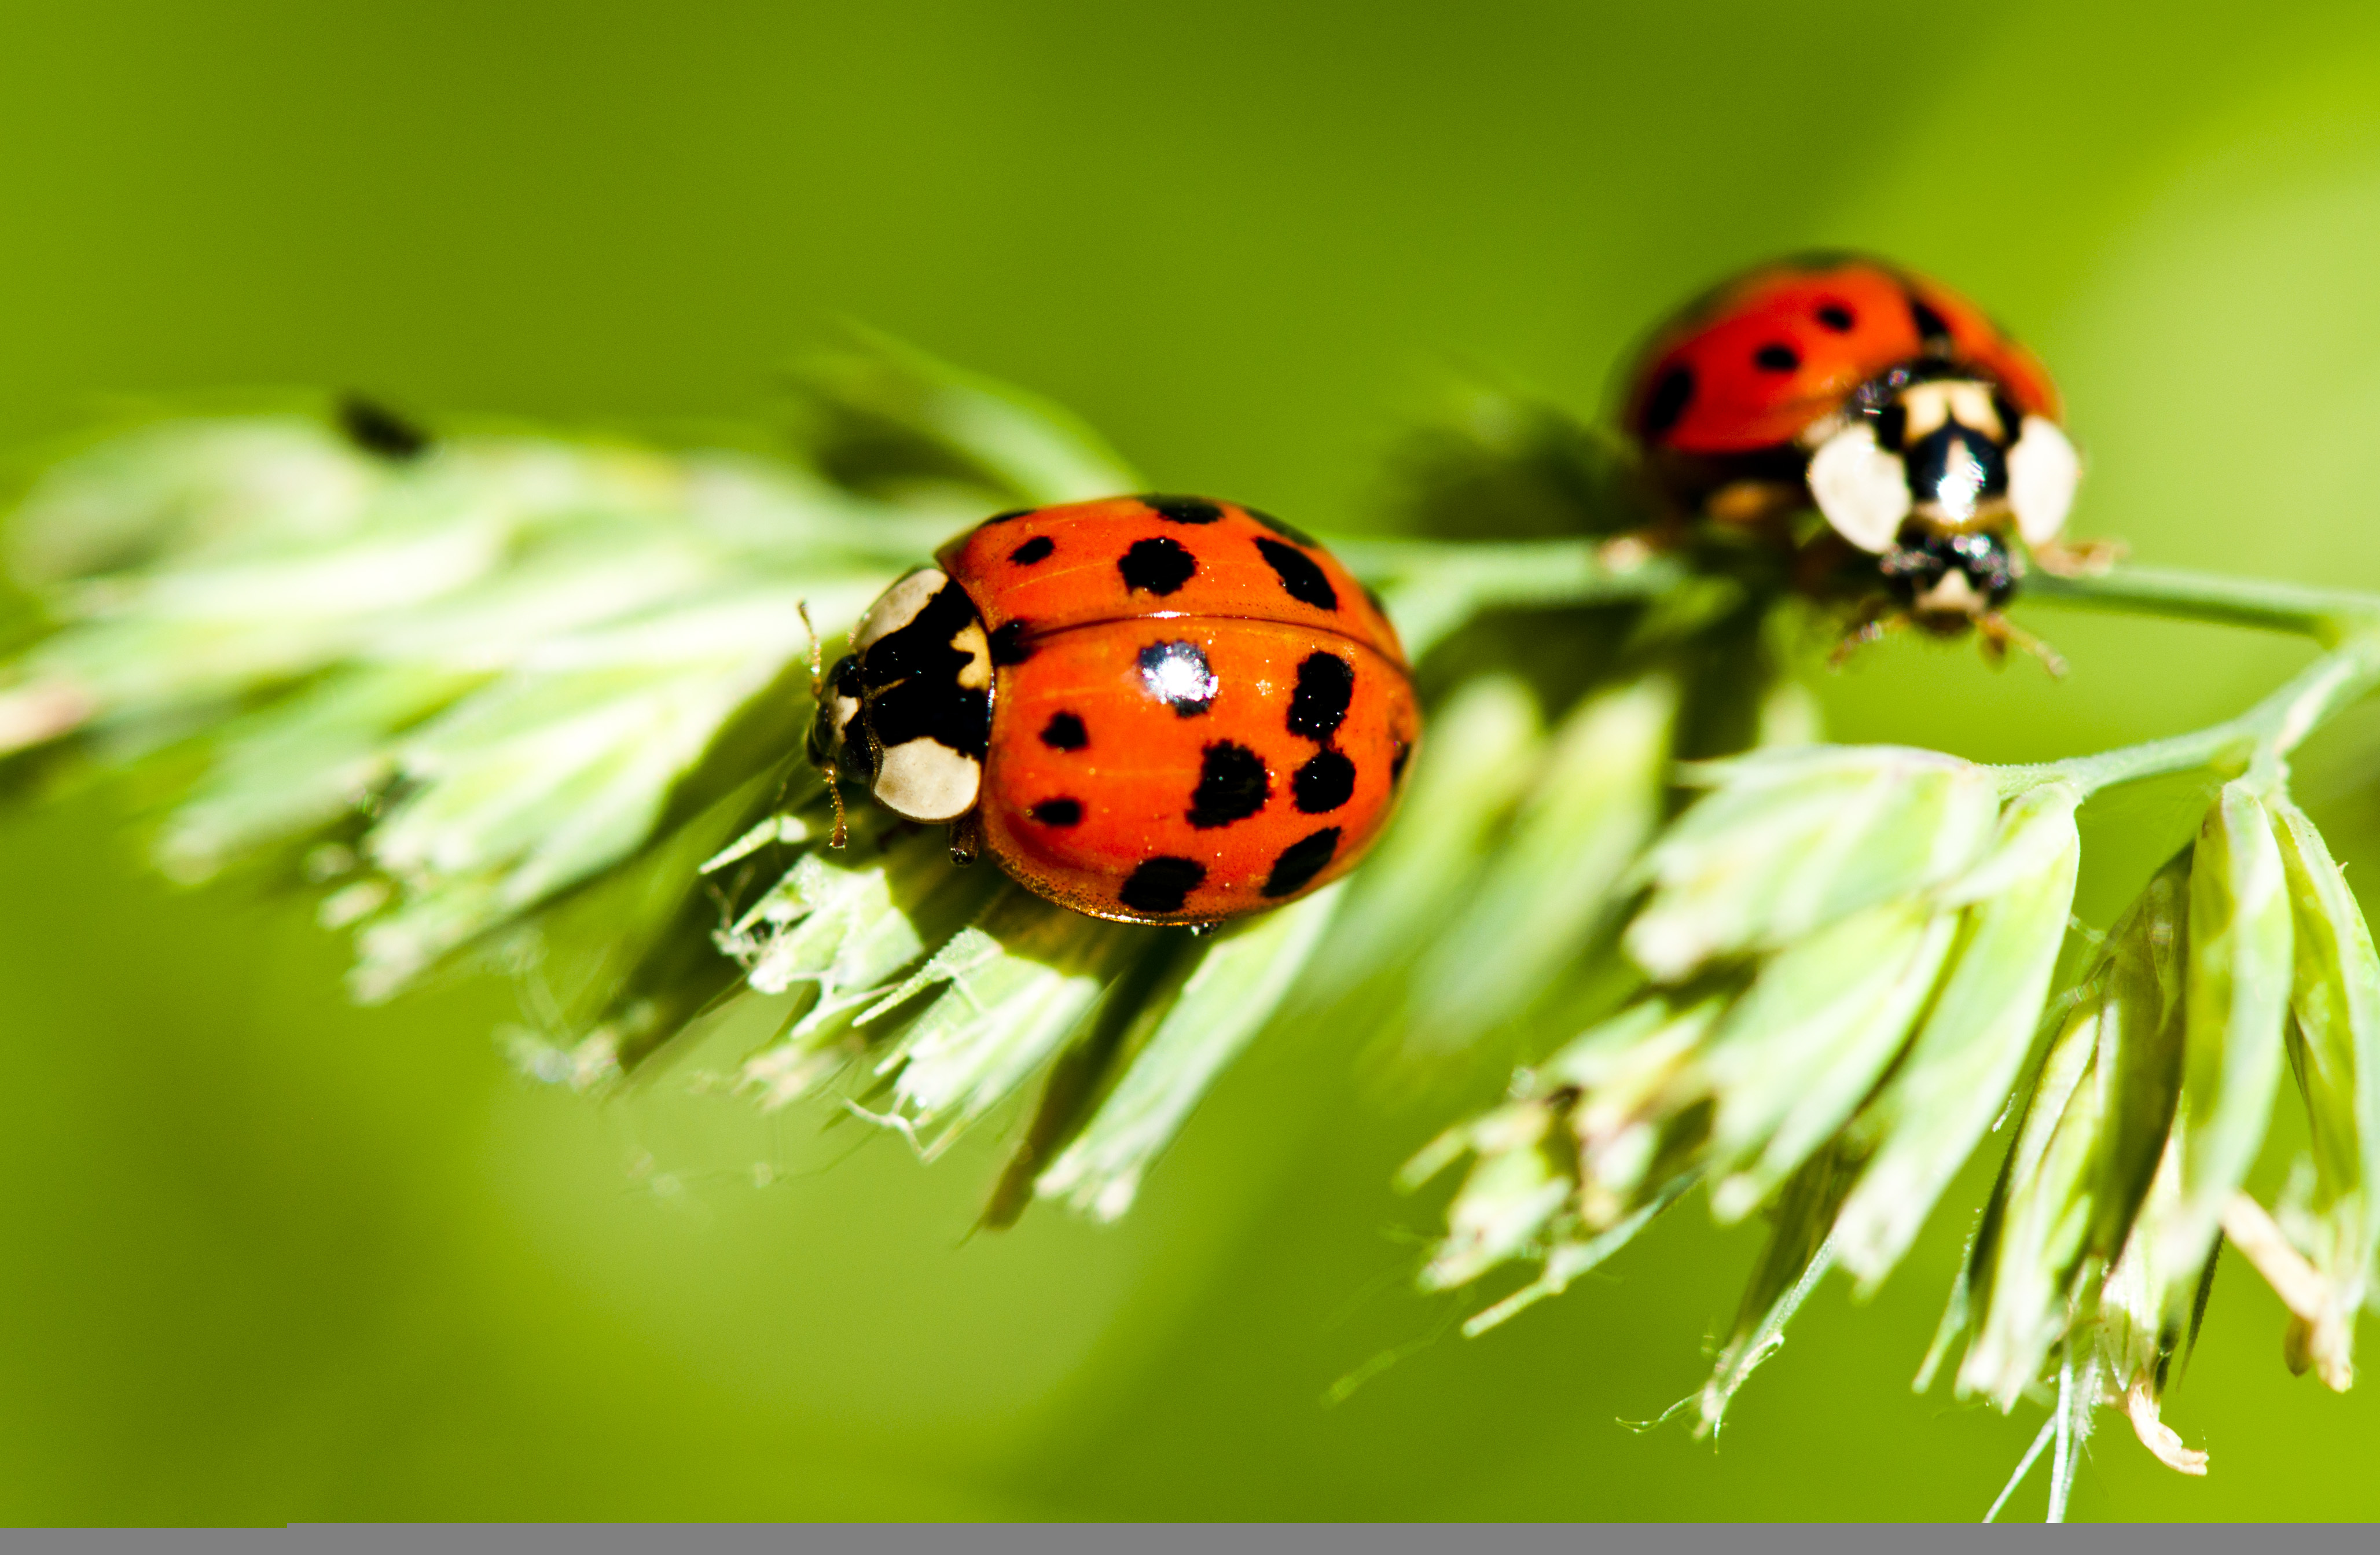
<point x="1931" y="327"/>
<point x="1177" y="674"/>
<point x="908" y="679"/>
<point x="1669" y="400"/>
<point x="375" y="428"/>
<point x="1286" y="530"/>
<point x="1324" y="784"/>
<point x="1301" y="861"/>
<point x="1064" y="731"/>
<point x="1232" y="785"/>
<point x="1300" y="576"/>
<point x="1836" y="317"/>
<point x="1033" y="551"/>
<point x="1397" y="762"/>
<point x="1325" y="686"/>
<point x="1010" y="516"/>
<point x="1158" y="565"/>
<point x="1059" y="812"/>
<point x="1008" y="644"/>
<point x="1777" y="359"/>
<point x="1162" y="884"/>
<point x="1183" y="510"/>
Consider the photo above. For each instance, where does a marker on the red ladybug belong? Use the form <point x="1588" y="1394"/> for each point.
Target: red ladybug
<point x="1924" y="437"/>
<point x="1156" y="710"/>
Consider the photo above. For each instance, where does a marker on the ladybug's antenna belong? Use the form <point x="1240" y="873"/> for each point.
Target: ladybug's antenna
<point x="818" y="659"/>
<point x="1999" y="634"/>
<point x="818" y="693"/>
<point x="1872" y="629"/>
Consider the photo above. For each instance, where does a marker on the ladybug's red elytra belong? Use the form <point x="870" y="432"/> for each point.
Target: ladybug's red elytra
<point x="1922" y="434"/>
<point x="1155" y="709"/>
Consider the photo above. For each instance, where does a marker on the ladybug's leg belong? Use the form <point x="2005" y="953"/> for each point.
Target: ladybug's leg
<point x="1998" y="634"/>
<point x="841" y="828"/>
<point x="2079" y="558"/>
<point x="1878" y="622"/>
<point x="966" y="839"/>
<point x="1750" y="503"/>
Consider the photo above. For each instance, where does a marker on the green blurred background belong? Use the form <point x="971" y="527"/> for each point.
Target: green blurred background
<point x="272" y="1258"/>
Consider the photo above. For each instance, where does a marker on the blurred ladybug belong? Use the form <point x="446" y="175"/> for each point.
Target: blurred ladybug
<point x="1155" y="709"/>
<point x="1924" y="437"/>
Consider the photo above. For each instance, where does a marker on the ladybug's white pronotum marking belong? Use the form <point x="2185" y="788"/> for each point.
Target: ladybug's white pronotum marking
<point x="1860" y="488"/>
<point x="926" y="780"/>
<point x="2043" y="471"/>
<point x="923" y="778"/>
<point x="896" y="607"/>
<point x="969" y="639"/>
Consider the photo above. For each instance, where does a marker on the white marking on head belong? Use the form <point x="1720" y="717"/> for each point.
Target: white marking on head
<point x="926" y="780"/>
<point x="1862" y="490"/>
<point x="975" y="674"/>
<point x="2043" y="471"/>
<point x="1954" y="594"/>
<point x="897" y="606"/>
<point x="843" y="709"/>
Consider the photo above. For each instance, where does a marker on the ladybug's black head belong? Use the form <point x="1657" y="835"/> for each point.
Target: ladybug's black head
<point x="838" y="744"/>
<point x="1947" y="578"/>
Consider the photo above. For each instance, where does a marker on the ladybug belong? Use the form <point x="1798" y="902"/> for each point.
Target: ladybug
<point x="1153" y="709"/>
<point x="1924" y="435"/>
